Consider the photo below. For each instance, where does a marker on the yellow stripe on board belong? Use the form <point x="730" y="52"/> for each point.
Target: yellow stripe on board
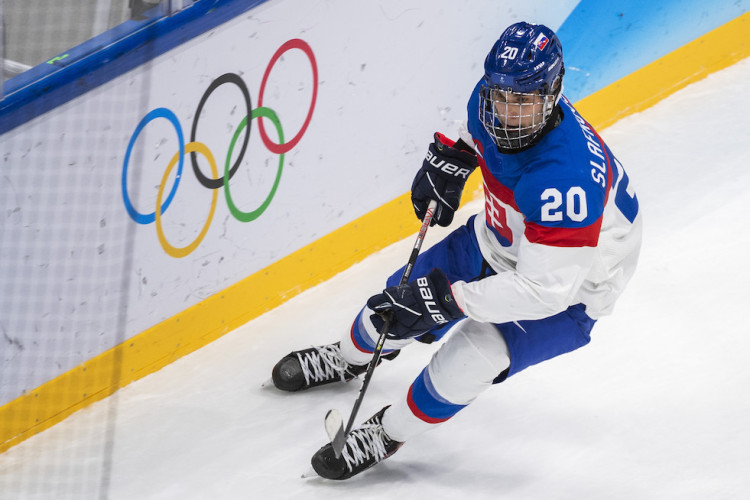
<point x="205" y="322"/>
<point x="208" y="320"/>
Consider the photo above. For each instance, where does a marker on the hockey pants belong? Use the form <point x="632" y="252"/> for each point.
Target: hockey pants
<point x="475" y="355"/>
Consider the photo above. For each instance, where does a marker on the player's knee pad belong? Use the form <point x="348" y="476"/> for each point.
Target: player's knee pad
<point x="465" y="366"/>
<point x="469" y="361"/>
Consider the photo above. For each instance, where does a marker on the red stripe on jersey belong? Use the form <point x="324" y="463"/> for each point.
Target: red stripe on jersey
<point x="564" y="236"/>
<point x="498" y="190"/>
<point x="419" y="413"/>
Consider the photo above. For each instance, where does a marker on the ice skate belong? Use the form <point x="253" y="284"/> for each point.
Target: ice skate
<point x="321" y="365"/>
<point x="365" y="446"/>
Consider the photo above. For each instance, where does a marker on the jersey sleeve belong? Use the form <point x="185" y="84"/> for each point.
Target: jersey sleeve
<point x="544" y="283"/>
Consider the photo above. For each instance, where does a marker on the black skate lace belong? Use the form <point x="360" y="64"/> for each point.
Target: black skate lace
<point x="363" y="443"/>
<point x="323" y="363"/>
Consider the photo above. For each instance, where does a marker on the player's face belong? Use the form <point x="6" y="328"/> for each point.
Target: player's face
<point x="519" y="111"/>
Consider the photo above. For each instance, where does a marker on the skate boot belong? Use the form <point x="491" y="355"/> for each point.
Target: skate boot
<point x="365" y="446"/>
<point x="300" y="370"/>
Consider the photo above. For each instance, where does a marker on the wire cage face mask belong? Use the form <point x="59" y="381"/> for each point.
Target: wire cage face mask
<point x="514" y="119"/>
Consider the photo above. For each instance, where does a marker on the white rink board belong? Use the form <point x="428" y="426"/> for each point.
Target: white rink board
<point x="390" y="73"/>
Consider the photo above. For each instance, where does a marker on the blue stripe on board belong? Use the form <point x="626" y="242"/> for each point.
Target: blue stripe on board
<point x="108" y="56"/>
<point x="606" y="41"/>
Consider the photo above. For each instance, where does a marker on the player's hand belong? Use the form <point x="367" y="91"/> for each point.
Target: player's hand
<point x="442" y="177"/>
<point x="417" y="307"/>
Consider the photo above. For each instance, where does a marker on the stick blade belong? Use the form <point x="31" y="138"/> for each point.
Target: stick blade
<point x="335" y="429"/>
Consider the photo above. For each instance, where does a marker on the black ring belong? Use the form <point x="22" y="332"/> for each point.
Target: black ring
<point x="225" y="78"/>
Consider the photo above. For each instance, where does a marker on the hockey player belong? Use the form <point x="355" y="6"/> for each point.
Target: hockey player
<point x="520" y="283"/>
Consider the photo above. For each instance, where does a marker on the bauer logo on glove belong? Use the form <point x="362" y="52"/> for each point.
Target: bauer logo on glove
<point x="445" y="167"/>
<point x="416" y="307"/>
<point x="444" y="171"/>
<point x="426" y="292"/>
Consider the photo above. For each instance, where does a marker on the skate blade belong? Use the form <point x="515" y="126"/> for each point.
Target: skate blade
<point x="309" y="473"/>
<point x="266" y="384"/>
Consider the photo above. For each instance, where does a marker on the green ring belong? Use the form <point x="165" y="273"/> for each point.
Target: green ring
<point x="236" y="212"/>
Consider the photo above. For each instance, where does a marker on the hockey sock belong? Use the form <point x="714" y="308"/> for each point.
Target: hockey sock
<point x="463" y="368"/>
<point x="359" y="344"/>
<point x="421" y="410"/>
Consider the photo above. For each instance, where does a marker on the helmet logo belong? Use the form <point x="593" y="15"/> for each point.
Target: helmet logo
<point x="541" y="41"/>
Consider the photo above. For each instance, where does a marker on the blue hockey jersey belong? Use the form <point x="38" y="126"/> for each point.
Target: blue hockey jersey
<point x="561" y="224"/>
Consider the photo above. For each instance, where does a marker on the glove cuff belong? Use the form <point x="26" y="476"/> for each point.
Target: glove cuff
<point x="444" y="293"/>
<point x="445" y="148"/>
<point x="444" y="139"/>
<point x="460" y="144"/>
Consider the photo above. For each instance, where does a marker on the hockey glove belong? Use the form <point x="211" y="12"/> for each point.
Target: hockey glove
<point x="416" y="307"/>
<point x="442" y="177"/>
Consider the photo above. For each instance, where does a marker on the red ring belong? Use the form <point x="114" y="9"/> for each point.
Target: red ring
<point x="294" y="43"/>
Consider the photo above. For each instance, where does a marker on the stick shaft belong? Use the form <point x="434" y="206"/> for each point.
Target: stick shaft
<point x="386" y="325"/>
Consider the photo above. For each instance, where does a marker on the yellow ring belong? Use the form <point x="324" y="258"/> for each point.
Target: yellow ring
<point x="191" y="147"/>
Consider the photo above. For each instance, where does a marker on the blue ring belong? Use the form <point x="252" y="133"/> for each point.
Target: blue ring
<point x="156" y="113"/>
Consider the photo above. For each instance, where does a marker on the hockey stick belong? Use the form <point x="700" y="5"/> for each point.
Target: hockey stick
<point x="333" y="421"/>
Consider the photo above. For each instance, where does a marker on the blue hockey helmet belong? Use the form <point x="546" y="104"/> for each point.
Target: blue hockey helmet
<point x="522" y="84"/>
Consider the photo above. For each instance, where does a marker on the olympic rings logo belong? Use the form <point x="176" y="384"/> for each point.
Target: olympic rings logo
<point x="214" y="182"/>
